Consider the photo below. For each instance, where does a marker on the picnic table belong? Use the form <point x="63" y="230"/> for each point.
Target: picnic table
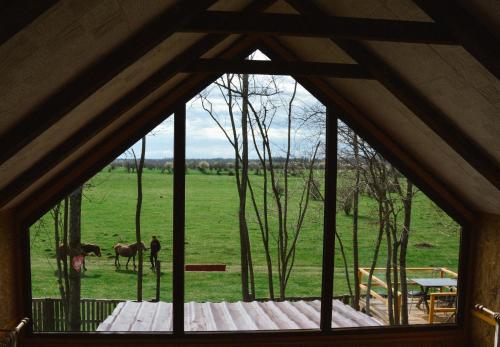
<point x="427" y="283"/>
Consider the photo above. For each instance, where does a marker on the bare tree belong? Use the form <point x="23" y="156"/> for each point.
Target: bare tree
<point x="230" y="91"/>
<point x="61" y="257"/>
<point x="75" y="250"/>
<point x="139" y="167"/>
<point x="355" y="223"/>
<point x="288" y="229"/>
<point x="393" y="198"/>
<point x="405" y="234"/>
<point x="65" y="258"/>
<point x="258" y="102"/>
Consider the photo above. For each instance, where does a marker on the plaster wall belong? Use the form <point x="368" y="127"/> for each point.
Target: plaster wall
<point x="10" y="300"/>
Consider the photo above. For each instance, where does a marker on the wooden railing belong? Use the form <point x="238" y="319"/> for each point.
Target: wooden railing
<point x="489" y="316"/>
<point x="49" y="314"/>
<point x="363" y="273"/>
<point x="376" y="282"/>
<point x="9" y="336"/>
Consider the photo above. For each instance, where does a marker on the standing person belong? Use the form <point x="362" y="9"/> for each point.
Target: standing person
<point x="155" y="248"/>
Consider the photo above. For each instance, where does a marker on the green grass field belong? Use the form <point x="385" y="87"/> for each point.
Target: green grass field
<point x="108" y="217"/>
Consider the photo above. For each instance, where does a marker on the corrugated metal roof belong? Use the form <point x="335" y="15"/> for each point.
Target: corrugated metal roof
<point x="230" y="316"/>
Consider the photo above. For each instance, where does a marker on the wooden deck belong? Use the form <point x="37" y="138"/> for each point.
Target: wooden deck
<point x="379" y="311"/>
<point x="379" y="289"/>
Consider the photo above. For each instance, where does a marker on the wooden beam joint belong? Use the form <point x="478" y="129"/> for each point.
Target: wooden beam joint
<point x="278" y="68"/>
<point x="320" y="25"/>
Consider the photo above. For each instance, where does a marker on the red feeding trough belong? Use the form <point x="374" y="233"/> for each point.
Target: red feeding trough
<point x="206" y="267"/>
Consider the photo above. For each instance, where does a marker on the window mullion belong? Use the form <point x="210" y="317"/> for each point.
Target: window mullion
<point x="178" y="218"/>
<point x="329" y="224"/>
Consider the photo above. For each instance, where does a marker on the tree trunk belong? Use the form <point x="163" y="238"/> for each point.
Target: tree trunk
<point x="375" y="257"/>
<point x="395" y="274"/>
<point x="139" y="169"/>
<point x="65" y="259"/>
<point x="263" y="222"/>
<point x="59" y="255"/>
<point x="75" y="250"/>
<point x="355" y="218"/>
<point x="346" y="267"/>
<point x="388" y="268"/>
<point x="404" y="246"/>
<point x="243" y="190"/>
<point x="266" y="226"/>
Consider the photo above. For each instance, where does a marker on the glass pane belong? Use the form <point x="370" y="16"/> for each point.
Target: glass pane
<point x="253" y="251"/>
<point x="78" y="281"/>
<point x="393" y="242"/>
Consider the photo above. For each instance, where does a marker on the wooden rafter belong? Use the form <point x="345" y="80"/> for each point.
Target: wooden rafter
<point x="399" y="156"/>
<point x="18" y="14"/>
<point x="81" y="170"/>
<point x="476" y="39"/>
<point x="278" y="68"/>
<point x="94" y="77"/>
<point x="114" y="111"/>
<point x="110" y="147"/>
<point x="429" y="114"/>
<point x="320" y="25"/>
<point x="45" y="163"/>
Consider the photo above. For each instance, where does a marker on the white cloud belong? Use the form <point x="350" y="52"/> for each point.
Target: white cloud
<point x="204" y="138"/>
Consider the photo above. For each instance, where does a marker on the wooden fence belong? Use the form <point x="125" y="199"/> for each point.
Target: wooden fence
<point x="49" y="314"/>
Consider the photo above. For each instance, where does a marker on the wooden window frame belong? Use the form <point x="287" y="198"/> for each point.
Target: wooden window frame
<point x="359" y="334"/>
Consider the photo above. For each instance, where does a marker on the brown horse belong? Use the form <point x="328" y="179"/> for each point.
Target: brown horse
<point x="128" y="251"/>
<point x="86" y="248"/>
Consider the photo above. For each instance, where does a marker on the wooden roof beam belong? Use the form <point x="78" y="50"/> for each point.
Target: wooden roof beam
<point x="221" y="66"/>
<point x="320" y="25"/>
<point x="45" y="163"/>
<point x="455" y="205"/>
<point x="89" y="164"/>
<point x="97" y="75"/>
<point x="475" y="38"/>
<point x="115" y="110"/>
<point x="16" y="15"/>
<point x="429" y="114"/>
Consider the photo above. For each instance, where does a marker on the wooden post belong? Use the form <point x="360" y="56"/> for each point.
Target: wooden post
<point x="158" y="274"/>
<point x="431" y="309"/>
<point x="360" y="277"/>
<point x="48" y="315"/>
<point x="399" y="303"/>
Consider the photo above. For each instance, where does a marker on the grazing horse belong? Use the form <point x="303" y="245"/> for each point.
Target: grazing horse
<point x="128" y="251"/>
<point x="86" y="248"/>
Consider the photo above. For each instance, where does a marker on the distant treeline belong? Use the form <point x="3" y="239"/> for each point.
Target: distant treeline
<point x="214" y="165"/>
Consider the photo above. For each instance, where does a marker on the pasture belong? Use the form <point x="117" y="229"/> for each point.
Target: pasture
<point x="108" y="217"/>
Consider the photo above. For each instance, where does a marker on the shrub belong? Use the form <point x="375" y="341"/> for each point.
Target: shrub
<point x="345" y="199"/>
<point x="280" y="189"/>
<point x="167" y="167"/>
<point x="203" y="166"/>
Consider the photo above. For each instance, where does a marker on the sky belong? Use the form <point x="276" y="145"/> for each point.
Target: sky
<point x="204" y="138"/>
